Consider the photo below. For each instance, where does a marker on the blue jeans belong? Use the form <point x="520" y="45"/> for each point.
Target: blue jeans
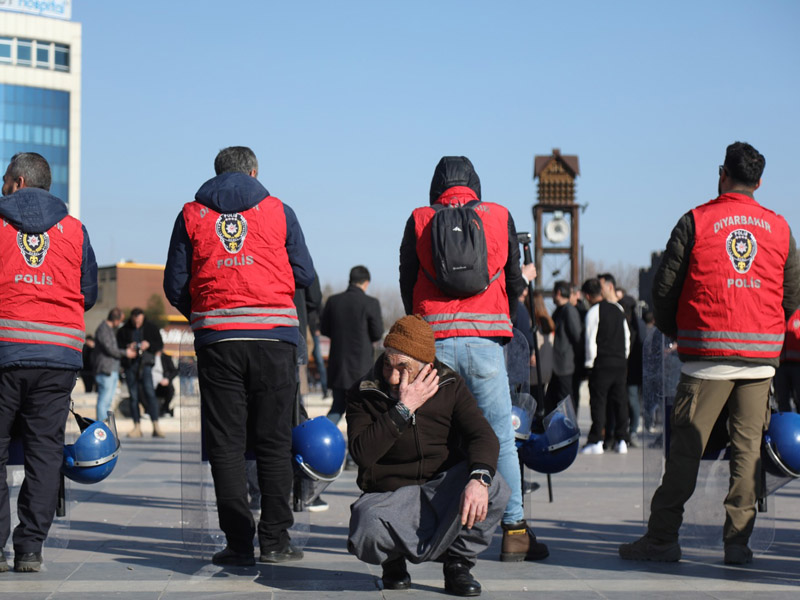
<point x="481" y="363"/>
<point x="106" y="386"/>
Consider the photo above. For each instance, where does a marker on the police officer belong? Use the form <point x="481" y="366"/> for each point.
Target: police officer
<point x="235" y="257"/>
<point x="470" y="331"/>
<point x="726" y="284"/>
<point x="48" y="280"/>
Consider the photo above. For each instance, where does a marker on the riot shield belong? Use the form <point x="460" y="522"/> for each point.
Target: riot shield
<point x="704" y="513"/>
<point x="199" y="522"/>
<point x="523" y="405"/>
<point x="58" y="536"/>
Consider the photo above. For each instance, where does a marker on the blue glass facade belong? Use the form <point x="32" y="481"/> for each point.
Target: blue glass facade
<point x="36" y="120"/>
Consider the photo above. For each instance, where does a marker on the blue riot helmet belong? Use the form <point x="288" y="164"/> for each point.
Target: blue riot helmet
<point x="523" y="408"/>
<point x="782" y="444"/>
<point x="555" y="449"/>
<point x="319" y="449"/>
<point x="94" y="454"/>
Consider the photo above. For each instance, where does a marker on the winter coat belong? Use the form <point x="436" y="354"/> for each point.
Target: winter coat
<point x="392" y="452"/>
<point x="352" y="320"/>
<point x="230" y="194"/>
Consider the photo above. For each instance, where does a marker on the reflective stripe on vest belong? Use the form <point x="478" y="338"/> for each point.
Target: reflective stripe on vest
<point x="736" y="341"/>
<point x="466" y="321"/>
<point x="26" y="331"/>
<point x="286" y="317"/>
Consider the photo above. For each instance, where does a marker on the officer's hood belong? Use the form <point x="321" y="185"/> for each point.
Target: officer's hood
<point x="454" y="171"/>
<point x="32" y="210"/>
<point x="231" y="192"/>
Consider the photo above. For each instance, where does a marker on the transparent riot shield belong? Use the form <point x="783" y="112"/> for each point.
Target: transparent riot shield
<point x="58" y="536"/>
<point x="199" y="522"/>
<point x="523" y="405"/>
<point x="704" y="513"/>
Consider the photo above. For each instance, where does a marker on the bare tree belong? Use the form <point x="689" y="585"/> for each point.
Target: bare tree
<point x="391" y="304"/>
<point x="627" y="276"/>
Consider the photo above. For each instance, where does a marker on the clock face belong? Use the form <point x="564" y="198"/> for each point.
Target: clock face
<point x="557" y="230"/>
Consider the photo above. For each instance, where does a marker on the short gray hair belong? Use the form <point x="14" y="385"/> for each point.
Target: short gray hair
<point x="33" y="168"/>
<point x="235" y="159"/>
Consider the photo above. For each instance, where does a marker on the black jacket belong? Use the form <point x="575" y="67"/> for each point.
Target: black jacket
<point x="392" y="452"/>
<point x="352" y="320"/>
<point x="127" y="334"/>
<point x="567" y="339"/>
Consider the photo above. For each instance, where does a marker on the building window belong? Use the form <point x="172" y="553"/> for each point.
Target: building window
<point x="61" y="57"/>
<point x="42" y="55"/>
<point x="5" y="49"/>
<point x="34" y="53"/>
<point x="24" y="52"/>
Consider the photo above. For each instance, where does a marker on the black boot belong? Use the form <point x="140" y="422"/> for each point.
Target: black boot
<point x="395" y="574"/>
<point x="458" y="580"/>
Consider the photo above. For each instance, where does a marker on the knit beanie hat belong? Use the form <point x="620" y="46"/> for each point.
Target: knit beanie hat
<point x="412" y="336"/>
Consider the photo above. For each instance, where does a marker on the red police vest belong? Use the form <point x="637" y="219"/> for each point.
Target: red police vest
<point x="731" y="302"/>
<point x="241" y="276"/>
<point x="482" y="315"/>
<point x="40" y="295"/>
<point x="791" y="343"/>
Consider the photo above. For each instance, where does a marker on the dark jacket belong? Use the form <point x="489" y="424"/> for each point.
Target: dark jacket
<point x="392" y="453"/>
<point x="452" y="172"/>
<point x="352" y="320"/>
<point x="128" y="334"/>
<point x="671" y="273"/>
<point x="34" y="210"/>
<point x="232" y="193"/>
<point x="567" y="339"/>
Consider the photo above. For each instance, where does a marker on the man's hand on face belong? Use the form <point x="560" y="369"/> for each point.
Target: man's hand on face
<point x="474" y="503"/>
<point x="418" y="392"/>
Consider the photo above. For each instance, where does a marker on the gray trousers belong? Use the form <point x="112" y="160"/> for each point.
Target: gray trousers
<point x="423" y="522"/>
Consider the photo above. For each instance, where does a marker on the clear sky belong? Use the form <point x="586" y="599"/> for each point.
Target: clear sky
<point x="349" y="106"/>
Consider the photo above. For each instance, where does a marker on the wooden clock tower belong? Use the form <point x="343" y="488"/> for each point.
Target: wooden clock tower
<point x="555" y="218"/>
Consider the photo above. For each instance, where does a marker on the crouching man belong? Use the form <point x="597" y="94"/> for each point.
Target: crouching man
<point x="426" y="463"/>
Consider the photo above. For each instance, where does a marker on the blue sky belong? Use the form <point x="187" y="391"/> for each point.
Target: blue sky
<point x="350" y="105"/>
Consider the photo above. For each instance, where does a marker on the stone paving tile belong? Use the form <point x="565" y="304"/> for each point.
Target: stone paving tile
<point x="127" y="542"/>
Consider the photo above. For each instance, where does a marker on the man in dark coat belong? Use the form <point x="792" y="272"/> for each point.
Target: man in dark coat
<point x="144" y="338"/>
<point x="566" y="347"/>
<point x="352" y="320"/>
<point x="426" y="463"/>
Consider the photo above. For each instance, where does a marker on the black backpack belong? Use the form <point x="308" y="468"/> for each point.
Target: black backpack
<point x="458" y="246"/>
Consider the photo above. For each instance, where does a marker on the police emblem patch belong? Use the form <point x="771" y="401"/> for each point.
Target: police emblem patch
<point x="100" y="435"/>
<point x="34" y="247"/>
<point x="231" y="230"/>
<point x="515" y="421"/>
<point x="742" y="247"/>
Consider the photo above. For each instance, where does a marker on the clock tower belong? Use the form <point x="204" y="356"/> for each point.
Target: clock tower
<point x="555" y="218"/>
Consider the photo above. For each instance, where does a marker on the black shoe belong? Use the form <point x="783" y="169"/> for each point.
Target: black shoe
<point x="317" y="505"/>
<point x="231" y="558"/>
<point x="459" y="581"/>
<point x="3" y="561"/>
<point x="27" y="562"/>
<point x="283" y="555"/>
<point x="395" y="575"/>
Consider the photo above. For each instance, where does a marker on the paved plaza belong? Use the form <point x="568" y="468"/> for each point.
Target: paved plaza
<point x="126" y="542"/>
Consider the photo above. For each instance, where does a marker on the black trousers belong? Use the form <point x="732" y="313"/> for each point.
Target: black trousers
<point x="247" y="391"/>
<point x="608" y="391"/>
<point x="38" y="399"/>
<point x="560" y="387"/>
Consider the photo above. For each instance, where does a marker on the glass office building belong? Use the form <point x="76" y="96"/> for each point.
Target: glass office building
<point x="37" y="120"/>
<point x="40" y="95"/>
